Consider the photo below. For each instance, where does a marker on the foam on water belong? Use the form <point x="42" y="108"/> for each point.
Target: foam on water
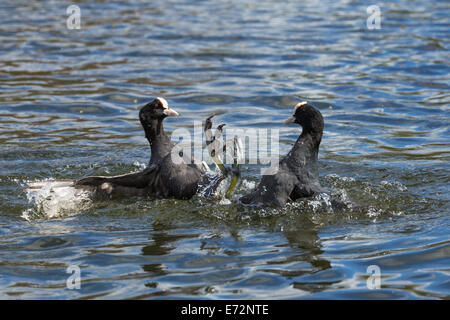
<point x="54" y="199"/>
<point x="58" y="198"/>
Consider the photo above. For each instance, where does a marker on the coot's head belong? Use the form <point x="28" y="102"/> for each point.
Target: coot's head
<point x="158" y="109"/>
<point x="307" y="116"/>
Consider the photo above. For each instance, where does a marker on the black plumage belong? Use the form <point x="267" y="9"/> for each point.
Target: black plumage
<point x="298" y="173"/>
<point x="166" y="175"/>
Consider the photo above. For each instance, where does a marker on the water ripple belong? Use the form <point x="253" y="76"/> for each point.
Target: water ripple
<point x="69" y="102"/>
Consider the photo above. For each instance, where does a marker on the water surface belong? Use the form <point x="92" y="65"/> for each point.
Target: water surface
<point x="69" y="102"/>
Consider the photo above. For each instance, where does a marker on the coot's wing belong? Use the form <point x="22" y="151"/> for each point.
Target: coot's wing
<point x="43" y="183"/>
<point x="132" y="180"/>
<point x="37" y="185"/>
<point x="179" y="180"/>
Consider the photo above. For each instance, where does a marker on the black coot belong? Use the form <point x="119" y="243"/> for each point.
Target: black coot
<point x="298" y="173"/>
<point x="165" y="176"/>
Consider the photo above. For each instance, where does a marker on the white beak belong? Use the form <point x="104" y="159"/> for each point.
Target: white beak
<point x="170" y="112"/>
<point x="289" y="120"/>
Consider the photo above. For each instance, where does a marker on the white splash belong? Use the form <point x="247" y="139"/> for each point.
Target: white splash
<point x="248" y="185"/>
<point x="214" y="185"/>
<point x="373" y="212"/>
<point x="139" y="165"/>
<point x="395" y="184"/>
<point x="224" y="201"/>
<point x="54" y="199"/>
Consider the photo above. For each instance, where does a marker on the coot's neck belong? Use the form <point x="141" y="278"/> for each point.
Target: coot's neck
<point x="307" y="143"/>
<point x="160" y="143"/>
<point x="314" y="134"/>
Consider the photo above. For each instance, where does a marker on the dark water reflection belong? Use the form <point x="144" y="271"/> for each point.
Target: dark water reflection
<point x="68" y="107"/>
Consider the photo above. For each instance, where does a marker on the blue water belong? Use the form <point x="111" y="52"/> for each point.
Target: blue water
<point x="69" y="102"/>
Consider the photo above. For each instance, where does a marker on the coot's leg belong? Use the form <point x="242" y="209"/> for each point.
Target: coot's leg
<point x="213" y="144"/>
<point x="236" y="167"/>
